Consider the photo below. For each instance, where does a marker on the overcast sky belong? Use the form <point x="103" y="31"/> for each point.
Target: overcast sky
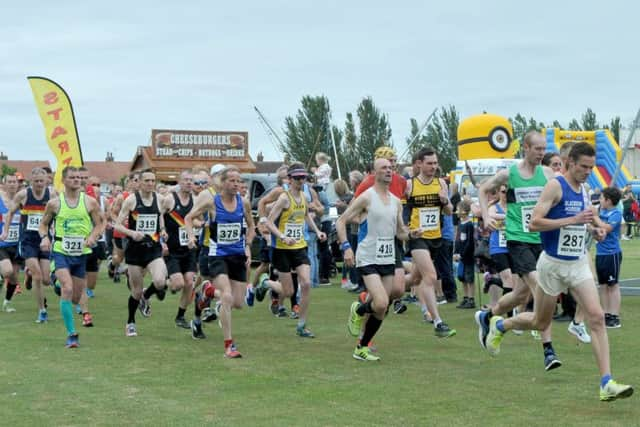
<point x="133" y="66"/>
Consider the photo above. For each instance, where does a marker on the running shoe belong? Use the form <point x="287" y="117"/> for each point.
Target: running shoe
<point x="7" y="307"/>
<point x="441" y="300"/>
<point x="43" y="317"/>
<point x="263" y="287"/>
<point x="354" y="324"/>
<point x="613" y="322"/>
<point x="144" y="306"/>
<point x="579" y="331"/>
<point x="182" y="323"/>
<point x="399" y="307"/>
<point x="303" y="332"/>
<point x="364" y="353"/>
<point x="612" y="391"/>
<point x="130" y="330"/>
<point x="249" y="295"/>
<point x="72" y="341"/>
<point x="494" y="337"/>
<point x="282" y="312"/>
<point x="232" y="352"/>
<point x="209" y="315"/>
<point x="274" y="306"/>
<point x="196" y="331"/>
<point x="204" y="300"/>
<point x="443" y="330"/>
<point x="90" y="293"/>
<point x="483" y="328"/>
<point x="295" y="312"/>
<point x="87" y="320"/>
<point x="551" y="361"/>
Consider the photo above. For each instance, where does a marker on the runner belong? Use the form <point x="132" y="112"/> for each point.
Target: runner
<point x="78" y="224"/>
<point x="524" y="182"/>
<point x="286" y="224"/>
<point x="9" y="267"/>
<point x="562" y="215"/>
<point x="231" y="229"/>
<point x="379" y="213"/>
<point x="142" y="221"/>
<point x="181" y="261"/>
<point x="428" y="200"/>
<point x="31" y="203"/>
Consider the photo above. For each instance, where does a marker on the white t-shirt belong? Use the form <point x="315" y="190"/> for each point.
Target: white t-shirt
<point x="323" y="174"/>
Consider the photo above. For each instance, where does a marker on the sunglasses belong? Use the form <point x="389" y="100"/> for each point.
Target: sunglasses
<point x="299" y="178"/>
<point x="200" y="182"/>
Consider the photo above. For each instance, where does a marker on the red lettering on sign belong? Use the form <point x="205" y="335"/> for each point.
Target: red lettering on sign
<point x="59" y="130"/>
<point x="67" y="161"/>
<point x="64" y="147"/>
<point x="50" y="98"/>
<point x="55" y="113"/>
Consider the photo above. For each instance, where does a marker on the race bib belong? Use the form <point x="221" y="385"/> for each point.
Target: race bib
<point x="526" y="212"/>
<point x="502" y="239"/>
<point x="147" y="223"/>
<point x="385" y="250"/>
<point x="13" y="234"/>
<point x="429" y="218"/>
<point x="33" y="222"/>
<point x="571" y="240"/>
<point x="73" y="245"/>
<point x="294" y="231"/>
<point x="183" y="237"/>
<point x="229" y="233"/>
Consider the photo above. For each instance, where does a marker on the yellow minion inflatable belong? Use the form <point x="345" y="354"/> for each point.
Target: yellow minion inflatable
<point x="486" y="136"/>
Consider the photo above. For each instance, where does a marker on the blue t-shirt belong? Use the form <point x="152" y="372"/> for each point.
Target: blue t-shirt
<point x="611" y="244"/>
<point x="448" y="232"/>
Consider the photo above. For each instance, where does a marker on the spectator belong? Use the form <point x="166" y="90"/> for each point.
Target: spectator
<point x="628" y="200"/>
<point x="464" y="254"/>
<point x="323" y="171"/>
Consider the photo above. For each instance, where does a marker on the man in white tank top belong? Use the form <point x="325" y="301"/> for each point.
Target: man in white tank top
<point x="379" y="214"/>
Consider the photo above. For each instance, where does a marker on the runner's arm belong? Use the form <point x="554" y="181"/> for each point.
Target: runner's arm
<point x="202" y="204"/>
<point x="501" y="178"/>
<point x="550" y="196"/>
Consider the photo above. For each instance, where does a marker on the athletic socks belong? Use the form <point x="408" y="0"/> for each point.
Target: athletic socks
<point x="148" y="293"/>
<point x="364" y="308"/>
<point x="605" y="379"/>
<point x="66" y="309"/>
<point x="181" y="312"/>
<point x="11" y="288"/>
<point x="133" y="306"/>
<point x="370" y="329"/>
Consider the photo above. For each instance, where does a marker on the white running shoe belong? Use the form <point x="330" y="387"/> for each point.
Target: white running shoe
<point x="579" y="331"/>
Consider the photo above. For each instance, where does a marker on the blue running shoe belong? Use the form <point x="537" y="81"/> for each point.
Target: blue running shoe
<point x="90" y="293"/>
<point x="42" y="317"/>
<point x="72" y="341"/>
<point x="249" y="295"/>
<point x="483" y="328"/>
<point x="551" y="361"/>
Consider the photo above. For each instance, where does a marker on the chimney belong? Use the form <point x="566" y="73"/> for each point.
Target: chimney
<point x="109" y="157"/>
<point x="260" y="157"/>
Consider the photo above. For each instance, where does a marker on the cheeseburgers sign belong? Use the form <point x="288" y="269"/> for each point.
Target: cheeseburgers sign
<point x="219" y="145"/>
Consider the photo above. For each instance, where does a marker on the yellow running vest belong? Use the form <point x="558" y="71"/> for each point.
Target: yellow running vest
<point x="291" y="223"/>
<point x="426" y="208"/>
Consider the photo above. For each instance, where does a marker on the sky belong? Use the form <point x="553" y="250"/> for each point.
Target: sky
<point x="130" y="67"/>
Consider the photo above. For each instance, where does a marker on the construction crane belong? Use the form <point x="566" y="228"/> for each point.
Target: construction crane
<point x="273" y="135"/>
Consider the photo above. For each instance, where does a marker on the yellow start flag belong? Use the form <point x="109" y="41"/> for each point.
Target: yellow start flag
<point x="59" y="123"/>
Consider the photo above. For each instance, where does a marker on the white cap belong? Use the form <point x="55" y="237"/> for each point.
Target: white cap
<point x="217" y="168"/>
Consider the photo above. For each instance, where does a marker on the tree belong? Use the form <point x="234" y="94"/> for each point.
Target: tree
<point x="615" y="126"/>
<point x="520" y="125"/>
<point x="589" y="121"/>
<point x="7" y="170"/>
<point x="574" y="125"/>
<point x="308" y="133"/>
<point x="442" y="136"/>
<point x="373" y="131"/>
<point x="556" y="124"/>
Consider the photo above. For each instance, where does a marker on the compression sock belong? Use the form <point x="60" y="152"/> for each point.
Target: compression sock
<point x="66" y="309"/>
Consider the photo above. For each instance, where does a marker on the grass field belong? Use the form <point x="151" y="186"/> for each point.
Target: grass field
<point x="163" y="377"/>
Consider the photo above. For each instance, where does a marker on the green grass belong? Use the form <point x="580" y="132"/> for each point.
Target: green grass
<point x="163" y="377"/>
